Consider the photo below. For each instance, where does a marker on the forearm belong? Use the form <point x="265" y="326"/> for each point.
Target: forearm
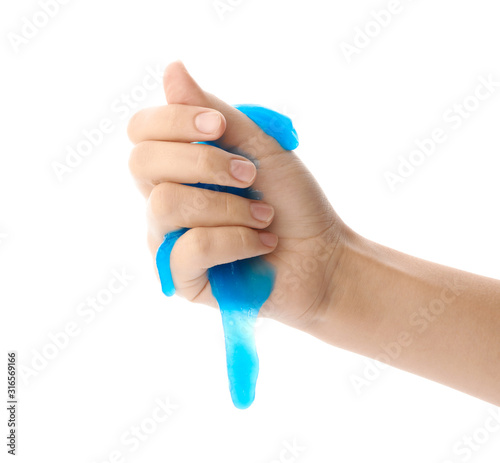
<point x="428" y="319"/>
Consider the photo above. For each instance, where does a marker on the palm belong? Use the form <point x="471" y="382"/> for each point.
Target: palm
<point x="306" y="225"/>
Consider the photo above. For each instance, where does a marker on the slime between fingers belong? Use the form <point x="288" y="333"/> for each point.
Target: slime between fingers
<point x="241" y="287"/>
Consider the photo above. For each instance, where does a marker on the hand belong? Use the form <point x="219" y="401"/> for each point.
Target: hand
<point x="294" y="225"/>
<point x="330" y="281"/>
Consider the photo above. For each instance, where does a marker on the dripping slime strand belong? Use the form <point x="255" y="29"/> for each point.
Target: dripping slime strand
<point x="241" y="287"/>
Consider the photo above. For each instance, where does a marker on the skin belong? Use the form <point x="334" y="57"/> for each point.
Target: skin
<point x="431" y="320"/>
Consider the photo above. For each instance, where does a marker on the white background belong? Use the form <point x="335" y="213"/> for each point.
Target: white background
<point x="60" y="241"/>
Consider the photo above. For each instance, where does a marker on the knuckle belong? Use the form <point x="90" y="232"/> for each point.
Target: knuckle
<point x="174" y="116"/>
<point x="134" y="124"/>
<point x="232" y="208"/>
<point x="199" y="241"/>
<point x="204" y="159"/>
<point x="244" y="236"/>
<point x="139" y="157"/>
<point x="173" y="111"/>
<point x="162" y="200"/>
<point x="227" y="206"/>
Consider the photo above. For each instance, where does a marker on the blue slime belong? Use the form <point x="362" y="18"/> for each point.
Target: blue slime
<point x="240" y="287"/>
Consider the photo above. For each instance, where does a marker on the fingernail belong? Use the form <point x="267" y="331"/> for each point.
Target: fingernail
<point x="262" y="212"/>
<point x="268" y="239"/>
<point x="244" y="171"/>
<point x="207" y="122"/>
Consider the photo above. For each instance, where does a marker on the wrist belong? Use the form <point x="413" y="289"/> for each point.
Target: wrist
<point x="353" y="306"/>
<point x="335" y="309"/>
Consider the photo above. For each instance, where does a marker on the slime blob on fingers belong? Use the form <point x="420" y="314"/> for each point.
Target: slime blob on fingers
<point x="241" y="287"/>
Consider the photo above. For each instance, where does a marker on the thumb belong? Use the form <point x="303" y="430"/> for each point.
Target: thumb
<point x="180" y="87"/>
<point x="241" y="134"/>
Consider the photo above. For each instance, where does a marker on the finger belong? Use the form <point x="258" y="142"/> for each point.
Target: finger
<point x="202" y="248"/>
<point x="171" y="206"/>
<point x="154" y="162"/>
<point x="241" y="131"/>
<point x="176" y="122"/>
